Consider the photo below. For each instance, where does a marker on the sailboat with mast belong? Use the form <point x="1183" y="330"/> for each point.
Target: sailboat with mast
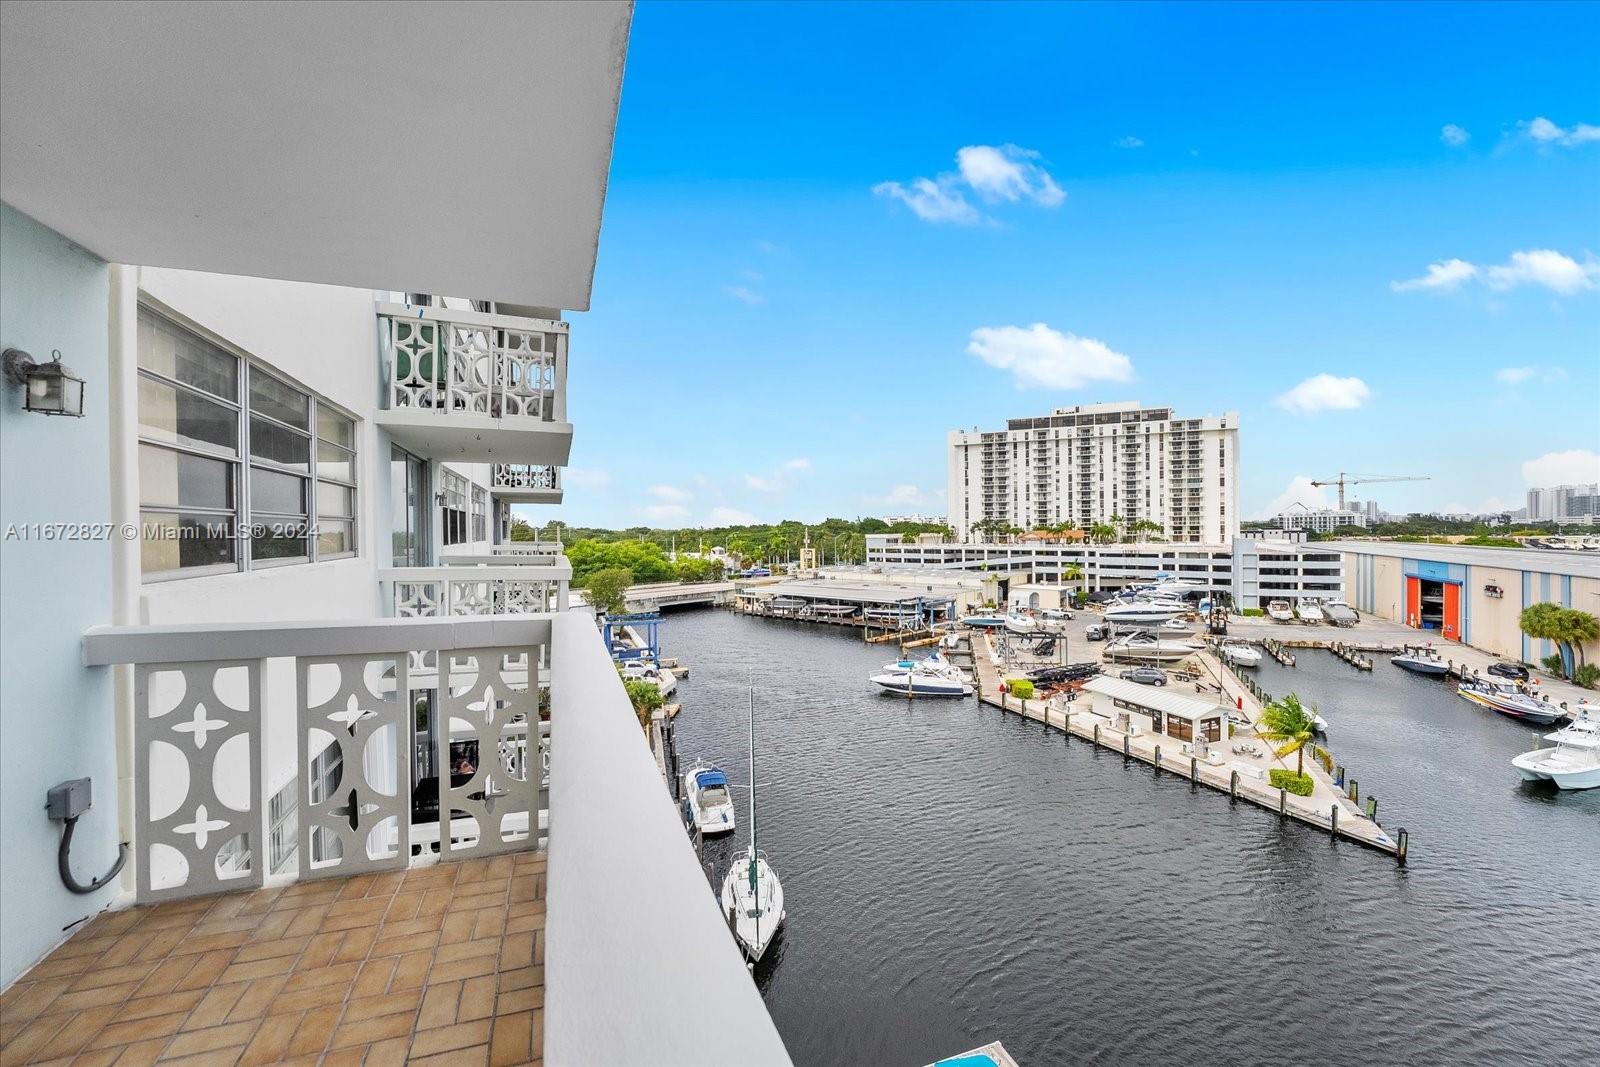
<point x="752" y="896"/>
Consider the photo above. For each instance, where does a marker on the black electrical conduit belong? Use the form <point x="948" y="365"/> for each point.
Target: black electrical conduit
<point x="65" y="865"/>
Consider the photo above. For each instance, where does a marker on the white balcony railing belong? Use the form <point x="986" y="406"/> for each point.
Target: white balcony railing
<point x="221" y="714"/>
<point x="450" y="362"/>
<point x="525" y="476"/>
<point x="511" y="586"/>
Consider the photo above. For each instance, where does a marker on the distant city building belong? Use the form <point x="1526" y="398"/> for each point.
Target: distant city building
<point x="1563" y="502"/>
<point x="1159" y="476"/>
<point x="1320" y="520"/>
<point x="923" y="520"/>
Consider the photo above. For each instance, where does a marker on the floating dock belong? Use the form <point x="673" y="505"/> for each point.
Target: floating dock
<point x="1331" y="807"/>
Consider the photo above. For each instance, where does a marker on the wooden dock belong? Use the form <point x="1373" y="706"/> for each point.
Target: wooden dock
<point x="1340" y="818"/>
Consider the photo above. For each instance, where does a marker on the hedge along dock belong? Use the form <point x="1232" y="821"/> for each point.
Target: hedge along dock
<point x="1128" y="729"/>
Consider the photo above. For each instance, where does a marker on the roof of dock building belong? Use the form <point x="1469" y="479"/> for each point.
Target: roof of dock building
<point x="1539" y="560"/>
<point x="1146" y="696"/>
<point x="853" y="594"/>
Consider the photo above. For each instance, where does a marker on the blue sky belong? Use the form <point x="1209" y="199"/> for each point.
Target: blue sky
<point x="1372" y="230"/>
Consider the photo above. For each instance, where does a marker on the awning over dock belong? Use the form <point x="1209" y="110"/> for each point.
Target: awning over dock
<point x="1148" y="698"/>
<point x="846" y="593"/>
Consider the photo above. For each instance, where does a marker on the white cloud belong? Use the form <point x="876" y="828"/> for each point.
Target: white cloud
<point x="1578" y="466"/>
<point x="1540" y="266"/>
<point x="995" y="173"/>
<point x="582" y="478"/>
<point x="744" y="294"/>
<point x="1040" y="357"/>
<point x="771" y="248"/>
<point x="1520" y="375"/>
<point x="779" y="481"/>
<point x="1324" y="392"/>
<point x="722" y="516"/>
<point x="666" y="513"/>
<point x="1543" y="266"/>
<point x="1454" y="135"/>
<point x="1443" y="276"/>
<point x="671" y="494"/>
<point x="902" y="498"/>
<point x="1130" y="142"/>
<point x="932" y="201"/>
<point x="1298" y="491"/>
<point x="799" y="463"/>
<point x="1545" y="132"/>
<point x="761" y="484"/>
<point x="1008" y="173"/>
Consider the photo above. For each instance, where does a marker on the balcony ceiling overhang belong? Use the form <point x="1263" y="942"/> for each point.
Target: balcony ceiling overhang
<point x="430" y="147"/>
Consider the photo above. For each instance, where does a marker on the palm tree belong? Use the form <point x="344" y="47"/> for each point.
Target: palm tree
<point x="1287" y="723"/>
<point x="1103" y="533"/>
<point x="1568" y="628"/>
<point x="645" y="698"/>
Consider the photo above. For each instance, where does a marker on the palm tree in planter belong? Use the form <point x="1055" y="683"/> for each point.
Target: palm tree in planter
<point x="645" y="698"/>
<point x="1288" y="724"/>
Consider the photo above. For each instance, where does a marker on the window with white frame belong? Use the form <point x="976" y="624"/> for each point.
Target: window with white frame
<point x="454" y="523"/>
<point x="480" y="513"/>
<point x="237" y="467"/>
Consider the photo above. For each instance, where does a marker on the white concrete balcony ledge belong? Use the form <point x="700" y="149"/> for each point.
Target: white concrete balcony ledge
<point x="475" y="387"/>
<point x="478" y="585"/>
<point x="526" y="483"/>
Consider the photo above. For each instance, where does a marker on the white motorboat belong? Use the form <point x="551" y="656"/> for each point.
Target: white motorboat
<point x="752" y="895"/>
<point x="1420" y="661"/>
<point x="1143" y="612"/>
<point x="983" y="620"/>
<point x="1175" y="626"/>
<point x="1310" y="610"/>
<point x="834" y="611"/>
<point x="1021" y="625"/>
<point x="707" y="804"/>
<point x="1280" y="611"/>
<point x="1507" y="699"/>
<point x="1148" y="648"/>
<point x="919" y="682"/>
<point x="1240" y="654"/>
<point x="1574" y="761"/>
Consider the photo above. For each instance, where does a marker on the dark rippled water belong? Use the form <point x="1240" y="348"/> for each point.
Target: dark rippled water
<point x="954" y="876"/>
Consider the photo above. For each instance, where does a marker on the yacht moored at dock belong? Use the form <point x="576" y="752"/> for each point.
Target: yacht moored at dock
<point x="932" y="677"/>
<point x="706" y="801"/>
<point x="1574" y="761"/>
<point x="1507" y="699"/>
<point x="1420" y="661"/>
<point x="752" y="896"/>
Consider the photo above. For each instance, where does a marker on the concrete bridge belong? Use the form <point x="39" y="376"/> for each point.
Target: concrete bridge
<point x="658" y="595"/>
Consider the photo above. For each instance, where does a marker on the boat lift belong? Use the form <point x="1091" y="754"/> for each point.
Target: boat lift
<point x="647" y="624"/>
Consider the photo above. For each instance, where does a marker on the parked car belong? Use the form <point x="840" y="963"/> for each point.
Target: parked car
<point x="1515" y="671"/>
<point x="1146" y="676"/>
<point x="1096" y="632"/>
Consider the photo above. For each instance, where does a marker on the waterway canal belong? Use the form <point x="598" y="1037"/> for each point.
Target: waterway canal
<point x="954" y="876"/>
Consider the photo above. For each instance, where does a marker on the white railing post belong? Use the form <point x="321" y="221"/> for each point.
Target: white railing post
<point x="560" y="404"/>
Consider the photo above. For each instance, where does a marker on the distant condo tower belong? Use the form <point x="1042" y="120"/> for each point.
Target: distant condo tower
<point x="1085" y="464"/>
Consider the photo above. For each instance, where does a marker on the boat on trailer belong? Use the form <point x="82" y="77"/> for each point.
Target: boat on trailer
<point x="1280" y="611"/>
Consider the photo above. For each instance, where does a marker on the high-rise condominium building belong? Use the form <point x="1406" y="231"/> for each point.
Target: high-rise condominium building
<point x="1559" y="502"/>
<point x="1096" y="463"/>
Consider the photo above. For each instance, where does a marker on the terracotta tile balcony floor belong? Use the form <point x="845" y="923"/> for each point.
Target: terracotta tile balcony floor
<point x="441" y="964"/>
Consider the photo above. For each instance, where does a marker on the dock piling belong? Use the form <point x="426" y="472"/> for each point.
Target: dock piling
<point x="1194" y="771"/>
<point x="1097" y="733"/>
<point x="1333" y="821"/>
<point x="1402" y="845"/>
<point x="1158" y="760"/>
<point x="1233" y="785"/>
<point x="1372" y="808"/>
<point x="1283" y="802"/>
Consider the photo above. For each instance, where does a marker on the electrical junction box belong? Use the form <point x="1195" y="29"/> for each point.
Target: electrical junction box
<point x="68" y="800"/>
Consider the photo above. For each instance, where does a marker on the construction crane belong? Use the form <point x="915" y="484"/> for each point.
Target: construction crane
<point x="1361" y="479"/>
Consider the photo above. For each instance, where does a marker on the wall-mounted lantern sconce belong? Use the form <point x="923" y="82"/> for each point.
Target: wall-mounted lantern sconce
<point x="49" y="388"/>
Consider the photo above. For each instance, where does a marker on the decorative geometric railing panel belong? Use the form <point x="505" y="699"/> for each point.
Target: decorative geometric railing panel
<point x="435" y="597"/>
<point x="455" y="367"/>
<point x="197" y="725"/>
<point x="354" y="741"/>
<point x="490" y="702"/>
<point x="525" y="476"/>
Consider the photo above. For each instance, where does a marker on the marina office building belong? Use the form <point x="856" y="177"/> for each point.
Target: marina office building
<point x="1092" y="462"/>
<point x="259" y="600"/>
<point x="1251" y="570"/>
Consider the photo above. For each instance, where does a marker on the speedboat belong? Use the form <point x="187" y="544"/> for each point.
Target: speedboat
<point x="1507" y="699"/>
<point x="1150" y="648"/>
<point x="752" y="896"/>
<point x="1420" y="661"/>
<point x="1175" y="626"/>
<point x="932" y="665"/>
<point x="1310" y="610"/>
<point x="1340" y="613"/>
<point x="1020" y="624"/>
<point x="1143" y="611"/>
<point x="707" y="803"/>
<point x="918" y="682"/>
<point x="983" y="621"/>
<point x="1574" y="762"/>
<point x="1280" y="611"/>
<point x="834" y="611"/>
<point x="1241" y="655"/>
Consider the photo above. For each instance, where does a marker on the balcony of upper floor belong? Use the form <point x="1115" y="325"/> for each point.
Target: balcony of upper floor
<point x="526" y="483"/>
<point x="474" y="386"/>
<point x="387" y="839"/>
